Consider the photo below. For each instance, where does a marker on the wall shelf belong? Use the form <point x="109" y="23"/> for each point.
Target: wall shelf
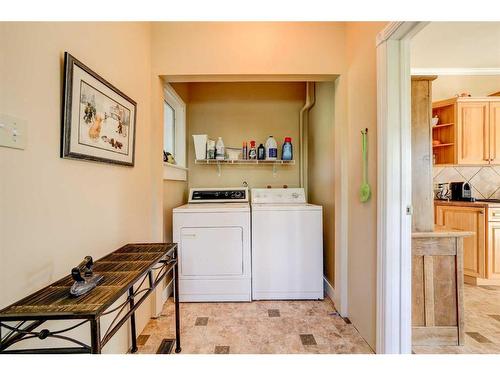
<point x="247" y="161"/>
<point x="220" y="163"/>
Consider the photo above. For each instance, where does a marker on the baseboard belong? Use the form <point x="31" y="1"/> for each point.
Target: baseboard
<point x="478" y="281"/>
<point x="329" y="290"/>
<point x="167" y="292"/>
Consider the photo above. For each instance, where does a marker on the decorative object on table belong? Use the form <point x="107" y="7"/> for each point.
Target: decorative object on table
<point x="200" y="146"/>
<point x="220" y="152"/>
<point x="287" y="149"/>
<point x="98" y="119"/>
<point x="435" y="120"/>
<point x="365" y="190"/>
<point x="463" y="95"/>
<point x="84" y="278"/>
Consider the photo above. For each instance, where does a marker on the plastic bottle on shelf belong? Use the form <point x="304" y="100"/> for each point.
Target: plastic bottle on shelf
<point x="287" y="149"/>
<point x="252" y="153"/>
<point x="261" y="152"/>
<point x="271" y="148"/>
<point x="244" y="151"/>
<point x="219" y="149"/>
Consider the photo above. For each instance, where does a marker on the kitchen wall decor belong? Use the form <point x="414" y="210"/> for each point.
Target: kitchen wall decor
<point x="98" y="119"/>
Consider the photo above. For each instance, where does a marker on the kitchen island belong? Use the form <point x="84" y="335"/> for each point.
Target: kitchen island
<point x="437" y="287"/>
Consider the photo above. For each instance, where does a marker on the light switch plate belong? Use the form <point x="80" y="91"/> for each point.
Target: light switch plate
<point x="13" y="132"/>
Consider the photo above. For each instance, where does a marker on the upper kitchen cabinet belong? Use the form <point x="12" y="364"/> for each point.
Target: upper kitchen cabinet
<point x="467" y="132"/>
<point x="473" y="133"/>
<point x="495" y="132"/>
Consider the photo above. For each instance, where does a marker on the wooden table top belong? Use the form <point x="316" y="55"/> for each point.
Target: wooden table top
<point x="121" y="269"/>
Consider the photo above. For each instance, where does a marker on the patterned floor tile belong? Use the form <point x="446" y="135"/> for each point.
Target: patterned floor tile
<point x="201" y="321"/>
<point x="221" y="350"/>
<point x="307" y="339"/>
<point x="296" y="327"/>
<point x="273" y="313"/>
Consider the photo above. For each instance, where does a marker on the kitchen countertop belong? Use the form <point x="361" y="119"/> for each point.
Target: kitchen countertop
<point x="440" y="231"/>
<point x="466" y="203"/>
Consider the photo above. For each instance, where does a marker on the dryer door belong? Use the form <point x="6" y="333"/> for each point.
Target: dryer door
<point x="211" y="251"/>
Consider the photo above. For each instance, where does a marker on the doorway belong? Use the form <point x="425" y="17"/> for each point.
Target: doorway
<point x="394" y="268"/>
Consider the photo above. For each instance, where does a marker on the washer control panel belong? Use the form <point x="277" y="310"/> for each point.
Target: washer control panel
<point x="208" y="195"/>
<point x="293" y="195"/>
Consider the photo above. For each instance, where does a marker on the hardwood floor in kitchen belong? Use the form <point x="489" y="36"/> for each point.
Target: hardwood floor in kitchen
<point x="259" y="327"/>
<point x="482" y="324"/>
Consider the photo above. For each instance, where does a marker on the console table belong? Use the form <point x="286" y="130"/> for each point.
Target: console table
<point x="122" y="269"/>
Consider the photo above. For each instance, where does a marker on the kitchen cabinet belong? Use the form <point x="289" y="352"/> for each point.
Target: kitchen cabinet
<point x="494" y="132"/>
<point x="481" y="260"/>
<point x="470" y="219"/>
<point x="494" y="250"/>
<point x="468" y="131"/>
<point x="473" y="133"/>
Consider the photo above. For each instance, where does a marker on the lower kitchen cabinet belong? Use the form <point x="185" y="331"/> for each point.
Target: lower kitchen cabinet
<point x="482" y="250"/>
<point x="494" y="250"/>
<point x="471" y="219"/>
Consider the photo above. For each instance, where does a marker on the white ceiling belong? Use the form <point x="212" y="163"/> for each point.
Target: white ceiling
<point x="457" y="45"/>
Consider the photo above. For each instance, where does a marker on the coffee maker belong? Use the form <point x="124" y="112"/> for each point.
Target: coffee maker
<point x="461" y="191"/>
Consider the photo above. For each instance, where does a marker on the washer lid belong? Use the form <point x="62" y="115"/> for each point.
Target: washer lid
<point x="212" y="207"/>
<point x="286" y="207"/>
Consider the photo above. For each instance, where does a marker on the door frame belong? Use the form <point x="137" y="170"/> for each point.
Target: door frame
<point x="394" y="209"/>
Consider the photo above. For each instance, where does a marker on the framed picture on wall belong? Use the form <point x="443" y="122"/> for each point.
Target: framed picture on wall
<point x="98" y="120"/>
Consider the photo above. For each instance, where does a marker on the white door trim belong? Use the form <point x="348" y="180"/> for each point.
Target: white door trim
<point x="394" y="187"/>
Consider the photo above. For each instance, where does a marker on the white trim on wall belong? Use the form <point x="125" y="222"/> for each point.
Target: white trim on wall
<point x="174" y="172"/>
<point x="394" y="188"/>
<point x="330" y="292"/>
<point x="176" y="102"/>
<point x="455" y="71"/>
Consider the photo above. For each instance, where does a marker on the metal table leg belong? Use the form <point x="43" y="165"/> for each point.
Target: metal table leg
<point x="95" y="336"/>
<point x="132" y="320"/>
<point x="177" y="308"/>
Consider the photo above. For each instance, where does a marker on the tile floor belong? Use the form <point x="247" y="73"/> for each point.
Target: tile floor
<point x="482" y="323"/>
<point x="261" y="327"/>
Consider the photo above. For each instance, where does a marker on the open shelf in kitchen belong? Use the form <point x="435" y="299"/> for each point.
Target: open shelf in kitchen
<point x="444" y="131"/>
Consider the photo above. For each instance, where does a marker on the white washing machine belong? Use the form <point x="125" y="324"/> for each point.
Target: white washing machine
<point x="213" y="236"/>
<point x="287" y="245"/>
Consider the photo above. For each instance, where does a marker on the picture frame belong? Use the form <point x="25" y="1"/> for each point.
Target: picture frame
<point x="98" y="120"/>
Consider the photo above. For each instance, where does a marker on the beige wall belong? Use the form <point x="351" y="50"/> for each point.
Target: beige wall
<point x="445" y="87"/>
<point x="362" y="113"/>
<point x="321" y="172"/>
<point x="240" y="48"/>
<point x="244" y="111"/>
<point x="55" y="211"/>
<point x="175" y="195"/>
